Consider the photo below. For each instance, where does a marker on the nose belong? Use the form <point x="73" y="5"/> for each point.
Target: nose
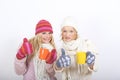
<point x="67" y="34"/>
<point x="47" y="35"/>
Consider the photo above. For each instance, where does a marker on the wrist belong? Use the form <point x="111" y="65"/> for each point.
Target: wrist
<point x="91" y="66"/>
<point x="19" y="56"/>
<point x="57" y="68"/>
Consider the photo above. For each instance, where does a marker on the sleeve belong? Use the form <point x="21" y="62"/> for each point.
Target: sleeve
<point x="91" y="47"/>
<point x="54" y="65"/>
<point x="50" y="70"/>
<point x="20" y="66"/>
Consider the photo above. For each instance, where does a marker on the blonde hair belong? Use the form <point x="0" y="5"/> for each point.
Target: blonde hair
<point x="36" y="42"/>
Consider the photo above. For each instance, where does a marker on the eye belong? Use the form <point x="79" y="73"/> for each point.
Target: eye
<point x="50" y="33"/>
<point x="64" y="31"/>
<point x="43" y="32"/>
<point x="71" y="31"/>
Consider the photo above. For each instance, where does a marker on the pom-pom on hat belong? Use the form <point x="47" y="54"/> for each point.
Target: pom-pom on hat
<point x="43" y="25"/>
<point x="70" y="21"/>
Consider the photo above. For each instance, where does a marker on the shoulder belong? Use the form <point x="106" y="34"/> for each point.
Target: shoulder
<point x="91" y="46"/>
<point x="87" y="41"/>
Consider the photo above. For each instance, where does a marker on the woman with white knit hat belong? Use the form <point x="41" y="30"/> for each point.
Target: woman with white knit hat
<point x="67" y="56"/>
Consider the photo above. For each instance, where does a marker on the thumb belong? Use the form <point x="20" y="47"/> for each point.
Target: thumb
<point x="54" y="54"/>
<point x="88" y="53"/>
<point x="25" y="40"/>
<point x="63" y="52"/>
<point x="53" y="51"/>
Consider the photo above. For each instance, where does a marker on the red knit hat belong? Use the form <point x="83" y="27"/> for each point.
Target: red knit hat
<point x="43" y="25"/>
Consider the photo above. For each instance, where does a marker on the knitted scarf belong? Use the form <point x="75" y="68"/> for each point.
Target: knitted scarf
<point x="40" y="70"/>
<point x="71" y="48"/>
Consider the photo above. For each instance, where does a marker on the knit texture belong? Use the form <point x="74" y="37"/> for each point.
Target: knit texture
<point x="40" y="64"/>
<point x="64" y="60"/>
<point x="25" y="49"/>
<point x="70" y="21"/>
<point x="90" y="58"/>
<point x="43" y="25"/>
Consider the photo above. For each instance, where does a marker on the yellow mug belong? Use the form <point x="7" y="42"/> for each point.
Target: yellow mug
<point x="81" y="57"/>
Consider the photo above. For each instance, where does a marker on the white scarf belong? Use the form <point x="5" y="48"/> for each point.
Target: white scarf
<point x="73" y="46"/>
<point x="40" y="71"/>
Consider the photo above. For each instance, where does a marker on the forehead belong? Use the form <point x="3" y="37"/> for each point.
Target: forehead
<point x="67" y="28"/>
<point x="46" y="32"/>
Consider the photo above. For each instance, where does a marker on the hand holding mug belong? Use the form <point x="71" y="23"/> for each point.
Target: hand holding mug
<point x="90" y="58"/>
<point x="49" y="57"/>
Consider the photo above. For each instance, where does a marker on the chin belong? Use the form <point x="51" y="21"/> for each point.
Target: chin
<point x="68" y="40"/>
<point x="46" y="42"/>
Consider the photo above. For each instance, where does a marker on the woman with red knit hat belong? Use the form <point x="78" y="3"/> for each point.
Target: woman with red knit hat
<point x="34" y="59"/>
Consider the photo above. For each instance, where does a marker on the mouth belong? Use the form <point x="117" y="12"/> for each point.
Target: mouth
<point x="67" y="38"/>
<point x="46" y="40"/>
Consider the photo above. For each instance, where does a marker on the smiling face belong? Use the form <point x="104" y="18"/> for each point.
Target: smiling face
<point x="46" y="36"/>
<point x="68" y="33"/>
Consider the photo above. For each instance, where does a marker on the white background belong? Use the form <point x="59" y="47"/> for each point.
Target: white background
<point x="99" y="21"/>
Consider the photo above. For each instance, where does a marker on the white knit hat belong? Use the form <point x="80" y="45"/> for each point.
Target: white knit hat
<point x="69" y="21"/>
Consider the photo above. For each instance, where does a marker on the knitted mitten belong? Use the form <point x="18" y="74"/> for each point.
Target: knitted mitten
<point x="90" y="58"/>
<point x="52" y="56"/>
<point x="25" y="49"/>
<point x="64" y="60"/>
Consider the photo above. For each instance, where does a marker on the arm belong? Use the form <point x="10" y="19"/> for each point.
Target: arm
<point x="20" y="66"/>
<point x="21" y="56"/>
<point x="91" y="47"/>
<point x="54" y="65"/>
<point x="52" y="56"/>
<point x="50" y="70"/>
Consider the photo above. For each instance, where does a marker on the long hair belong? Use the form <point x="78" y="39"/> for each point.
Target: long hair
<point x="36" y="43"/>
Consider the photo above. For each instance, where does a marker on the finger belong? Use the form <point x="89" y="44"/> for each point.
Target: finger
<point x="88" y="53"/>
<point x="25" y="40"/>
<point x="28" y="48"/>
<point x="67" y="58"/>
<point x="63" y="59"/>
<point x="54" y="54"/>
<point x="59" y="63"/>
<point x="65" y="64"/>
<point x="21" y="53"/>
<point x="49" y="58"/>
<point x="63" y="51"/>
<point x="53" y="51"/>
<point x="22" y="49"/>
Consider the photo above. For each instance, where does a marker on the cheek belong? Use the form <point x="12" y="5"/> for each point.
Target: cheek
<point x="63" y="35"/>
<point x="73" y="36"/>
<point x="50" y="35"/>
<point x="42" y="37"/>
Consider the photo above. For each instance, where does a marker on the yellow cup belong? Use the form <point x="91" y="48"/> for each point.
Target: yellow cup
<point x="81" y="57"/>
